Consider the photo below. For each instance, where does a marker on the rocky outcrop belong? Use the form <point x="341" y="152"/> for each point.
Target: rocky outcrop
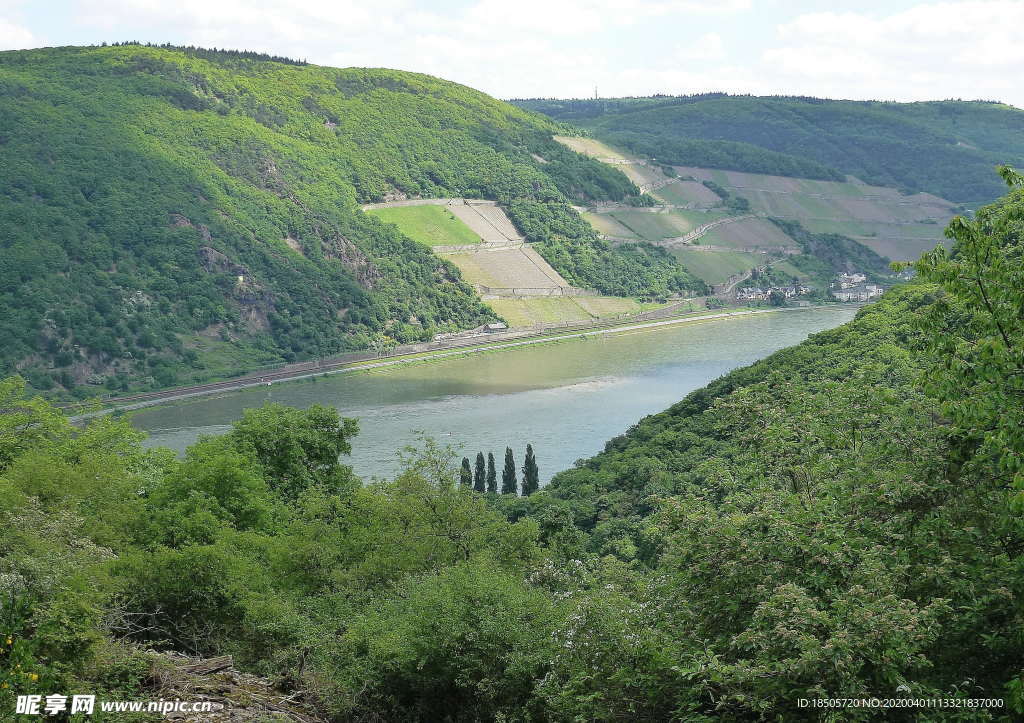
<point x="254" y="300"/>
<point x="353" y="258"/>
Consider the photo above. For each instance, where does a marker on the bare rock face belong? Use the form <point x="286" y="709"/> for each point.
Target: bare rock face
<point x="235" y="697"/>
<point x="179" y="221"/>
<point x="217" y="263"/>
<point x="395" y="195"/>
<point x="352" y="257"/>
<point x="255" y="300"/>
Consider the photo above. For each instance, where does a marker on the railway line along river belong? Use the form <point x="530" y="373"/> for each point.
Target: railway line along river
<point x="567" y="398"/>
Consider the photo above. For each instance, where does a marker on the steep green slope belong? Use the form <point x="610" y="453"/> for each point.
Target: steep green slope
<point x="813" y="528"/>
<point x="824" y="519"/>
<point x="948" y="148"/>
<point x="169" y="215"/>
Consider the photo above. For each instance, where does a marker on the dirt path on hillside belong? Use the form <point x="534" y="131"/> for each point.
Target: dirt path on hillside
<point x="702" y="230"/>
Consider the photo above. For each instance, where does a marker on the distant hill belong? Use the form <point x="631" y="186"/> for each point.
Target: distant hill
<point x="172" y="214"/>
<point x="947" y="148"/>
<point x="727" y="226"/>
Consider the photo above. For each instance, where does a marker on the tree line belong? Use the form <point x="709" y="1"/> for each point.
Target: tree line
<point x="483" y="476"/>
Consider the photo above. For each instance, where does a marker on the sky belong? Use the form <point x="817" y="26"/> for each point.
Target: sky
<point x="902" y="50"/>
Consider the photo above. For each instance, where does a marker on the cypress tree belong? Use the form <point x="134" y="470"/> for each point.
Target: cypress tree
<point x="466" y="473"/>
<point x="531" y="476"/>
<point x="492" y="475"/>
<point x="508" y="475"/>
<point x="478" y="474"/>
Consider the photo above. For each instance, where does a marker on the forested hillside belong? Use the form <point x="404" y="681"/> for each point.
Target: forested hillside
<point x="839" y="520"/>
<point x="948" y="148"/>
<point x="172" y="214"/>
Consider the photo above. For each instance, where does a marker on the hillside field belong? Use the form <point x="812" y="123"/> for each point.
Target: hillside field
<point x="508" y="268"/>
<point x="635" y="169"/>
<point x="595" y="149"/>
<point x="748" y="233"/>
<point x="529" y="311"/>
<point x="716" y="266"/>
<point x="894" y="225"/>
<point x="434" y="223"/>
<point x="691" y="194"/>
<point x="655" y="225"/>
<point x="428" y="224"/>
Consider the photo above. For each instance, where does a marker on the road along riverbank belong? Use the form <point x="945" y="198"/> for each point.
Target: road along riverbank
<point x="326" y="367"/>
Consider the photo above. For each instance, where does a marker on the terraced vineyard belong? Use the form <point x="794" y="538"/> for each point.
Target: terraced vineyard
<point x="490" y="253"/>
<point x="487" y="220"/>
<point x="606" y="225"/>
<point x="596" y="149"/>
<point x="635" y="168"/>
<point x="749" y="234"/>
<point x="520" y="268"/>
<point x="891" y="224"/>
<point x="651" y="224"/>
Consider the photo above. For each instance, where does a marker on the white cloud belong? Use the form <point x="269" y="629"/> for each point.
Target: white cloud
<point x="932" y="50"/>
<point x="16" y="37"/>
<point x="527" y="47"/>
<point x="707" y="47"/>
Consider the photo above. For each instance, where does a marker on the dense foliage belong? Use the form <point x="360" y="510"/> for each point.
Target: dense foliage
<point x="837" y="252"/>
<point x="173" y="214"/>
<point x="837" y="520"/>
<point x="948" y="148"/>
<point x="572" y="246"/>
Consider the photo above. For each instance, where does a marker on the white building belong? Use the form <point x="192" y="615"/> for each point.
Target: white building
<point x="861" y="292"/>
<point x="846" y="281"/>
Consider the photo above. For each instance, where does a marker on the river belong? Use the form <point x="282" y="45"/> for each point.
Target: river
<point x="566" y="398"/>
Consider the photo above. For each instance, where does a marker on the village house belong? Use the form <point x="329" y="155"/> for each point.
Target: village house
<point x="847" y="281"/>
<point x="861" y="292"/>
<point x="757" y="293"/>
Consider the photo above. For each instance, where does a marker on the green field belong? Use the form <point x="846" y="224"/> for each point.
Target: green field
<point x="657" y="226"/>
<point x="650" y="226"/>
<point x="428" y="224"/>
<point x="687" y="192"/>
<point x="716" y="266"/>
<point x="928" y="231"/>
<point x="605" y="224"/>
<point x="529" y="311"/>
<point x="788" y="268"/>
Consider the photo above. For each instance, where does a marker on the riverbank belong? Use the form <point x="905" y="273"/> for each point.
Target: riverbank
<point x="327" y="369"/>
